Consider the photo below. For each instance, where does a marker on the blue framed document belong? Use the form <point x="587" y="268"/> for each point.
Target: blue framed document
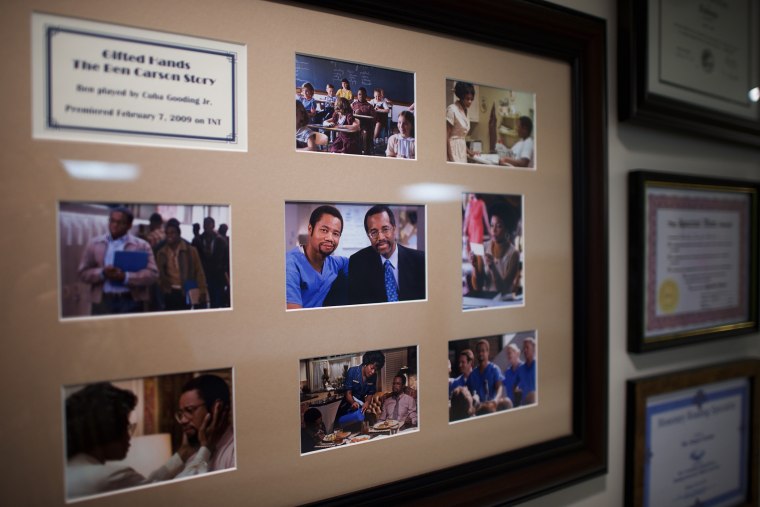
<point x="692" y="438"/>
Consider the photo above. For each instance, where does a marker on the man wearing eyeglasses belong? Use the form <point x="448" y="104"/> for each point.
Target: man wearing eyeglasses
<point x="118" y="288"/>
<point x="385" y="271"/>
<point x="98" y="433"/>
<point x="311" y="270"/>
<point x="208" y="438"/>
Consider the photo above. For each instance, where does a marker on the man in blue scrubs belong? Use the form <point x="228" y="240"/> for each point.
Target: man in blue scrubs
<point x="526" y="384"/>
<point x="465" y="361"/>
<point x="311" y="269"/>
<point x="486" y="377"/>
<point x="510" y="374"/>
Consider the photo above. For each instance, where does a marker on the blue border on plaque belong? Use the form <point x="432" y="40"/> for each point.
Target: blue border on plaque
<point x="696" y="398"/>
<point x="51" y="123"/>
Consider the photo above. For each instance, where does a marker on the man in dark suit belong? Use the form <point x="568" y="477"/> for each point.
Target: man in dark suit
<point x="215" y="259"/>
<point x="385" y="271"/>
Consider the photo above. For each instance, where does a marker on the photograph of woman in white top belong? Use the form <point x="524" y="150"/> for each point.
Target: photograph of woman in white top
<point x="457" y="122"/>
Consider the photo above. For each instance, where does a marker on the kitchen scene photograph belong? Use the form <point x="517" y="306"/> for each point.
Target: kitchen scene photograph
<point x="352" y="398"/>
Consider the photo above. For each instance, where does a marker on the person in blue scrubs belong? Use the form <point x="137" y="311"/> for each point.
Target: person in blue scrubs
<point x="486" y="377"/>
<point x="466" y="361"/>
<point x="360" y="384"/>
<point x="527" y="373"/>
<point x="510" y="374"/>
<point x="311" y="269"/>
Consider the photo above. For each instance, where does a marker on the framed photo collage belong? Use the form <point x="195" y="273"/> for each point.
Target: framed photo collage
<point x="407" y="268"/>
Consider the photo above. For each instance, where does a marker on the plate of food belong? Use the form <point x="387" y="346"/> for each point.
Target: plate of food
<point x="388" y="424"/>
<point x="359" y="438"/>
<point x="336" y="437"/>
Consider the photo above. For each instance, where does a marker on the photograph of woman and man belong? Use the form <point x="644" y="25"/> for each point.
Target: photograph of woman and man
<point x="352" y="108"/>
<point x="487" y="125"/>
<point x="492" y="250"/>
<point x="348" y="254"/>
<point x="144" y="431"/>
<point x="492" y="374"/>
<point x="357" y="397"/>
<point x="137" y="258"/>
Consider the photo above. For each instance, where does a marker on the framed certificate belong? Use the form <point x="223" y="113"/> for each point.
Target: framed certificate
<point x="692" y="437"/>
<point x="691" y="65"/>
<point x="692" y="259"/>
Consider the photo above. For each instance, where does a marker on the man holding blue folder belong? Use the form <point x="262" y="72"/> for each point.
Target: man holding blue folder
<point x="119" y="267"/>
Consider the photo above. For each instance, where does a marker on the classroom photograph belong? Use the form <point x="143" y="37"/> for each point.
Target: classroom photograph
<point x="139" y="432"/>
<point x="492" y="374"/>
<point x="357" y="397"/>
<point x="129" y="259"/>
<point x="490" y="126"/>
<point x="354" y="108"/>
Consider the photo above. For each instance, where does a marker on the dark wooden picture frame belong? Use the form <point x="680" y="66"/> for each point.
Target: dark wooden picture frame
<point x="639" y="184"/>
<point x="640" y="390"/>
<point x="636" y="102"/>
<point x="563" y="35"/>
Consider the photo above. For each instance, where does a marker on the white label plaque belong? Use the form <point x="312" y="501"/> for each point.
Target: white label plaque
<point x="98" y="82"/>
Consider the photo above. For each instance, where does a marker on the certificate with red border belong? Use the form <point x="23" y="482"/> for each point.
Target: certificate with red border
<point x="693" y="260"/>
<point x="697" y="265"/>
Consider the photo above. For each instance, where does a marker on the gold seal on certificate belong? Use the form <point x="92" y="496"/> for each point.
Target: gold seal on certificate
<point x="668" y="296"/>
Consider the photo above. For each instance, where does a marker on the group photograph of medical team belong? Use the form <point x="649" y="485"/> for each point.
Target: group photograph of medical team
<point x="492" y="374"/>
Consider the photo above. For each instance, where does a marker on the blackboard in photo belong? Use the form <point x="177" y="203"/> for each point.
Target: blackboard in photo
<point x="490" y="126"/>
<point x="340" y="254"/>
<point x="492" y="374"/>
<point x="351" y="398"/>
<point x="138" y="258"/>
<point x="354" y="108"/>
